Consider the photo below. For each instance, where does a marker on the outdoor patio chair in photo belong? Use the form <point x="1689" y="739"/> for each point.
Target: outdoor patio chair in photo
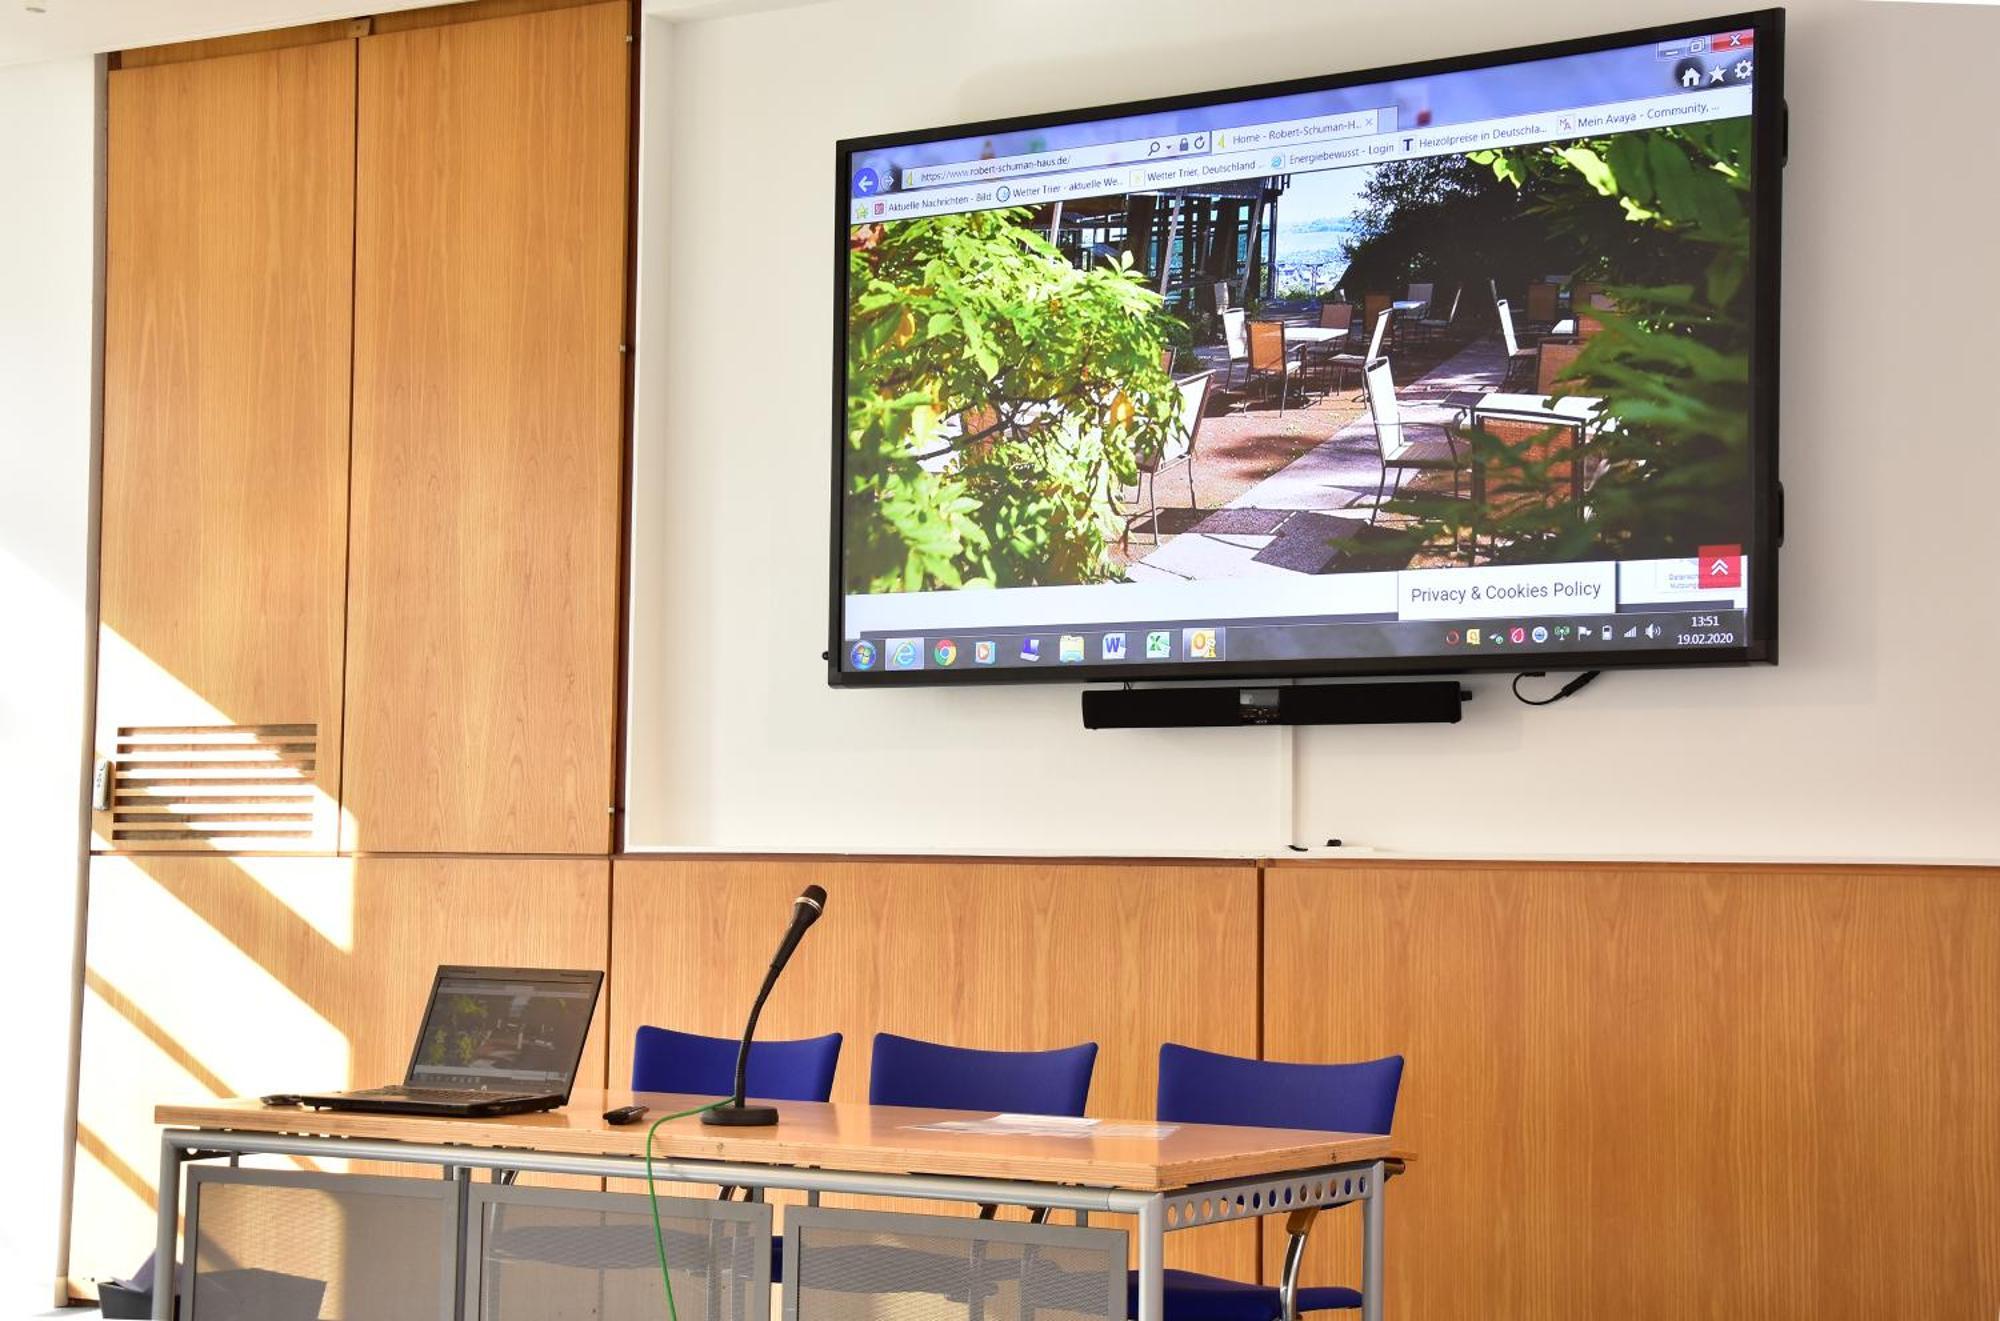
<point x="1373" y="305"/>
<point x="1419" y="293"/>
<point x="1341" y="362"/>
<point x="1437" y="327"/>
<point x="1553" y="359"/>
<point x="1541" y="305"/>
<point x="1590" y="313"/>
<point x="1332" y="316"/>
<point x="1520" y="361"/>
<point x="1399" y="446"/>
<point x="1272" y="359"/>
<point x="1194" y="404"/>
<point x="1235" y="340"/>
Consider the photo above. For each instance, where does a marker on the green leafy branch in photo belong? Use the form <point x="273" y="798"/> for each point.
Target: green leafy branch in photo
<point x="1666" y="214"/>
<point x="996" y="398"/>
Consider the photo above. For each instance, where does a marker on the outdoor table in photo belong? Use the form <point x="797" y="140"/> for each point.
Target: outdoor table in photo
<point x="1582" y="414"/>
<point x="1314" y="335"/>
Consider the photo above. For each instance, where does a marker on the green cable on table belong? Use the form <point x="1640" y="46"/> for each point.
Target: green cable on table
<point x="653" y="1196"/>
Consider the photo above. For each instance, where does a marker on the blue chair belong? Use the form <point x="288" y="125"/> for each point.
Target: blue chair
<point x="664" y="1060"/>
<point x="927" y="1074"/>
<point x="906" y="1071"/>
<point x="1201" y="1087"/>
<point x="667" y="1061"/>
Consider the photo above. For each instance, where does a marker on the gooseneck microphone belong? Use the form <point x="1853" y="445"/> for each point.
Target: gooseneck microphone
<point x="805" y="911"/>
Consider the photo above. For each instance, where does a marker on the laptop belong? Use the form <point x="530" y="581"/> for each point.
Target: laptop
<point x="494" y="1041"/>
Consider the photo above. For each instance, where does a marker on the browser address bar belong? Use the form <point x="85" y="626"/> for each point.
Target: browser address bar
<point x="1069" y="158"/>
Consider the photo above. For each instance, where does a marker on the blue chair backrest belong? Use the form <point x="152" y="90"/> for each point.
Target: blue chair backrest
<point x="1202" y="1087"/>
<point x="667" y="1061"/>
<point x="1021" y="1082"/>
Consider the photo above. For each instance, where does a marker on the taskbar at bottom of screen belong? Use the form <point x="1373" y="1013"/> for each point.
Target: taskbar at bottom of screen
<point x="1631" y="629"/>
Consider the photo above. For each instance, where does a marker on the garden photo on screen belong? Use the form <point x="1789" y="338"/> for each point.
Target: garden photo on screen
<point x="1022" y="381"/>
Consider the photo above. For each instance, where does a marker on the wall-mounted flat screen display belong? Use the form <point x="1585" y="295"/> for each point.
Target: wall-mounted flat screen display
<point x="1456" y="366"/>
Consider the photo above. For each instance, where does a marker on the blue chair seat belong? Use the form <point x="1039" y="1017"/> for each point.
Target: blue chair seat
<point x="1191" y="1296"/>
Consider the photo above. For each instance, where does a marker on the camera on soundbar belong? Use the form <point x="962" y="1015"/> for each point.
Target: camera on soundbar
<point x="1438" y="702"/>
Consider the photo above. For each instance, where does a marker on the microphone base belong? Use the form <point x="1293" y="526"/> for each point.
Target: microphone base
<point x="738" y="1115"/>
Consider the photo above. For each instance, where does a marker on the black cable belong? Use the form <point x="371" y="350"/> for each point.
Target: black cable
<point x="1574" y="685"/>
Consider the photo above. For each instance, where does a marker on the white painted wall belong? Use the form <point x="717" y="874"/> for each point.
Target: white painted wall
<point x="1875" y="738"/>
<point x="64" y="28"/>
<point x="48" y="188"/>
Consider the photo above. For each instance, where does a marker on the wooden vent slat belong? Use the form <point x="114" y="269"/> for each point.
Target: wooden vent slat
<point x="199" y="798"/>
<point x="139" y="733"/>
<point x="220" y="749"/>
<point x="212" y="840"/>
<point x="228" y="823"/>
<point x="213" y="811"/>
<point x="221" y="765"/>
<point x="215" y="786"/>
<point x="276" y="779"/>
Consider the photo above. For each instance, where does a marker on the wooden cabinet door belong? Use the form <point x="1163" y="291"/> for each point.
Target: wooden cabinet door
<point x="488" y="396"/>
<point x="228" y="299"/>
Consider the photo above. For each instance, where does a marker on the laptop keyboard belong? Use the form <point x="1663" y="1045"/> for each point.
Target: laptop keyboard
<point x="442" y="1095"/>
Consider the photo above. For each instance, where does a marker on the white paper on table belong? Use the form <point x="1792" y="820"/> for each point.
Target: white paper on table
<point x="1047" y="1126"/>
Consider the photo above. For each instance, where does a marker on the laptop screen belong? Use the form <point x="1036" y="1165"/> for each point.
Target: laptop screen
<point x="499" y="1029"/>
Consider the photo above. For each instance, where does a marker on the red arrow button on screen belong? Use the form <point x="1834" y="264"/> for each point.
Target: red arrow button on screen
<point x="1721" y="566"/>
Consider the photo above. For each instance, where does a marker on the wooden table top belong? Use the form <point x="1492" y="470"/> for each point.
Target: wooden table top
<point x="847" y="1137"/>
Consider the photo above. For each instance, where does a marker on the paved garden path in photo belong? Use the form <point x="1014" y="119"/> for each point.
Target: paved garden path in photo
<point x="1295" y="520"/>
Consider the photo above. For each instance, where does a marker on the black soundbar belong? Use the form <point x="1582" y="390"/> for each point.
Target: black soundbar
<point x="1435" y="702"/>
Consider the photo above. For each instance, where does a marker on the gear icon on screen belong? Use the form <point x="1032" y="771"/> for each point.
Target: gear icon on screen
<point x="1743" y="71"/>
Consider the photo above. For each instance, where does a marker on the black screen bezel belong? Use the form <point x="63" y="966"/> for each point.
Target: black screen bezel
<point x="1768" y="137"/>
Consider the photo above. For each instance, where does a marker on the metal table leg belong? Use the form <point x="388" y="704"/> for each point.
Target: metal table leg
<point x="1152" y="1257"/>
<point x="165" y="1252"/>
<point x="1371" y="1245"/>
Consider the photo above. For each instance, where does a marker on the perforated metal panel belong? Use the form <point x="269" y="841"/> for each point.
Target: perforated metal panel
<point x="845" y="1265"/>
<point x="545" y="1254"/>
<point x="282" y="1245"/>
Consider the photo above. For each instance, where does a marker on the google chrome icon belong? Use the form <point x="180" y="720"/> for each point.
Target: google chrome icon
<point x="945" y="652"/>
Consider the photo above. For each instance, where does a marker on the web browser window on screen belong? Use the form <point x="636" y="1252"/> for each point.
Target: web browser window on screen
<point x="1435" y="368"/>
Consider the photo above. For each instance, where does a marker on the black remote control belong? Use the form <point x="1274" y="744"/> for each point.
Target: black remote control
<point x="625" y="1114"/>
<point x="284" y="1098"/>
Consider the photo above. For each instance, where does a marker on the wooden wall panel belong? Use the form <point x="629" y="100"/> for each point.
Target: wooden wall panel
<point x="238" y="43"/>
<point x="489" y="306"/>
<point x="1006" y="955"/>
<point x="210" y="976"/>
<point x="464" y="11"/>
<point x="1653" y="1092"/>
<point x="230" y="211"/>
